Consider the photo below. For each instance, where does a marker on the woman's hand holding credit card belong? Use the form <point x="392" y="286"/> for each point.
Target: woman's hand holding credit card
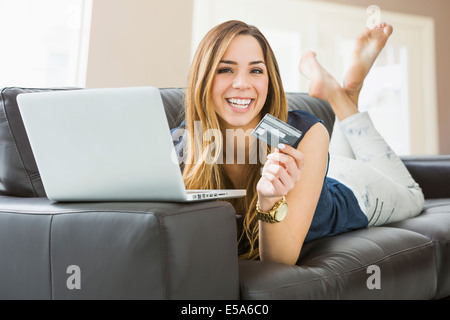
<point x="283" y="167"/>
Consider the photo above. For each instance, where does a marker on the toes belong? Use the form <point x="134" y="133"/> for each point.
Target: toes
<point x="309" y="54"/>
<point x="379" y="26"/>
<point x="387" y="29"/>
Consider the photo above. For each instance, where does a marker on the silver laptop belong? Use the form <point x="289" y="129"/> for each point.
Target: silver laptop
<point x="106" y="145"/>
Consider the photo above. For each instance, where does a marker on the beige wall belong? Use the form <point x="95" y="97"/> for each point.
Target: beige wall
<point x="148" y="42"/>
<point x="139" y="42"/>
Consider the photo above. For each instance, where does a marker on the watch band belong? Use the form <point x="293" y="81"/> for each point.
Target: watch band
<point x="270" y="216"/>
<point x="265" y="217"/>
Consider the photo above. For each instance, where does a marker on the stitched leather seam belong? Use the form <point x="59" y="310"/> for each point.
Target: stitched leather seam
<point x="50" y="259"/>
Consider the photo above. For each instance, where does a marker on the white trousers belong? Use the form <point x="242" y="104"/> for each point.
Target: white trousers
<point x="362" y="160"/>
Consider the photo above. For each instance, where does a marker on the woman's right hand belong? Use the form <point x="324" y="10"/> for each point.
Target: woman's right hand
<point x="282" y="170"/>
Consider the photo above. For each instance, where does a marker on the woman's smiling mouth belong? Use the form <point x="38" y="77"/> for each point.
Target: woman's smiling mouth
<point x="238" y="103"/>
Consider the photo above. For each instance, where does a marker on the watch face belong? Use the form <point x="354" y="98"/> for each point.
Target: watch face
<point x="281" y="212"/>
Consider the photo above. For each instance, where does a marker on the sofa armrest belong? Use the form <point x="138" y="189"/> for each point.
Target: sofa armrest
<point x="123" y="250"/>
<point x="432" y="173"/>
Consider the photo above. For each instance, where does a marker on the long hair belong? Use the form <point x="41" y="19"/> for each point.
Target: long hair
<point x="201" y="174"/>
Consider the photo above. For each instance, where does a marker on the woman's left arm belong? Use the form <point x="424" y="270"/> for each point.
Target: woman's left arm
<point x="298" y="174"/>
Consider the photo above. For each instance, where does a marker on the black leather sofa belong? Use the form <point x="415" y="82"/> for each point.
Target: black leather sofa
<point x="149" y="250"/>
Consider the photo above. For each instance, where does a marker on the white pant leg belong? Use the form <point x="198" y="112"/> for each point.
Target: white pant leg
<point x="370" y="148"/>
<point x="339" y="145"/>
<point x="377" y="176"/>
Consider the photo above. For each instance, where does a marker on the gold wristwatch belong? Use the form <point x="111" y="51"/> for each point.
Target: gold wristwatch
<point x="277" y="213"/>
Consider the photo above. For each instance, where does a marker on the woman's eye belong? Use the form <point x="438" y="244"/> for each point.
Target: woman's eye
<point x="257" y="71"/>
<point x="224" y="70"/>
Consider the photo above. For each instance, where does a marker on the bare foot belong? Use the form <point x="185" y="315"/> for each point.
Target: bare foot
<point x="368" y="45"/>
<point x="324" y="86"/>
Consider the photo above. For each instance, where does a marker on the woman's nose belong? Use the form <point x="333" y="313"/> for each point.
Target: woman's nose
<point x="241" y="81"/>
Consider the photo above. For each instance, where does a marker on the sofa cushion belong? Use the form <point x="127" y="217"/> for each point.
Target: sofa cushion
<point x="25" y="252"/>
<point x="434" y="223"/>
<point x="125" y="250"/>
<point x="341" y="267"/>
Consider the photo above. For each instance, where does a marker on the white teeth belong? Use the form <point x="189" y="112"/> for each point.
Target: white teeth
<point x="240" y="103"/>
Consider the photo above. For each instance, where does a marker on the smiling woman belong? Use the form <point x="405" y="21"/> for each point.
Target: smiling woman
<point x="234" y="82"/>
<point x="232" y="66"/>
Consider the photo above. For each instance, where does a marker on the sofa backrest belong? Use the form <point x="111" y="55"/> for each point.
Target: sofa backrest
<point x="19" y="175"/>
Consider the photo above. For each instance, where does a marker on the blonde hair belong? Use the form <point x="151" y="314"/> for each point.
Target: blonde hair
<point x="198" y="173"/>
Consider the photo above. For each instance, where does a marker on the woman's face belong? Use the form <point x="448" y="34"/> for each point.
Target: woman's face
<point x="240" y="85"/>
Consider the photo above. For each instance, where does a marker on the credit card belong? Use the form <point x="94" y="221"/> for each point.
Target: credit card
<point x="273" y="131"/>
